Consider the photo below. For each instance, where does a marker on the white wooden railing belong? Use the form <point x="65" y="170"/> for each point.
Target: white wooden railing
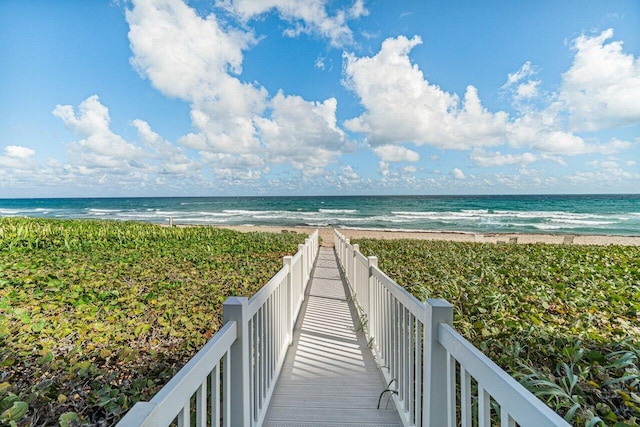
<point x="431" y="369"/>
<point x="230" y="380"/>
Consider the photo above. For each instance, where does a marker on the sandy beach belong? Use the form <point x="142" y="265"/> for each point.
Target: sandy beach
<point x="326" y="234"/>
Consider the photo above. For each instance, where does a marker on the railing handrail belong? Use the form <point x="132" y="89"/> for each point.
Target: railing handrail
<point x="166" y="404"/>
<point x="502" y="386"/>
<point x="260" y="297"/>
<point x="405" y="297"/>
<point x="243" y="373"/>
<point x="418" y="349"/>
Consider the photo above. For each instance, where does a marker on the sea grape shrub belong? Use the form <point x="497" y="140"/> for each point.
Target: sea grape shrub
<point x="561" y="318"/>
<point x="97" y="315"/>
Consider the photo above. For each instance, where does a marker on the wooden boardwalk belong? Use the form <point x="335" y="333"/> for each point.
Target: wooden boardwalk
<point x="329" y="377"/>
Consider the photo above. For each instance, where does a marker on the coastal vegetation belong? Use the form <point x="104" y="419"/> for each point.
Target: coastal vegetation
<point x="563" y="319"/>
<point x="96" y="315"/>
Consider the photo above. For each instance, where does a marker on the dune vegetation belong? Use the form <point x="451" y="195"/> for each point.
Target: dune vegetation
<point x="96" y="315"/>
<point x="563" y="319"/>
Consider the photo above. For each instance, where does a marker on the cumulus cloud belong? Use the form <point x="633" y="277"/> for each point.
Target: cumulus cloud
<point x="302" y="133"/>
<point x="402" y="106"/>
<point x="170" y="160"/>
<point x="601" y="89"/>
<point x="101" y="147"/>
<point x="527" y="90"/>
<point x="193" y="58"/>
<point x="396" y="153"/>
<point x="544" y="132"/>
<point x="604" y="174"/>
<point x="484" y="159"/>
<point x="105" y="158"/>
<point x="521" y="83"/>
<point x="19" y="152"/>
<point x="348" y="177"/>
<point x="16" y="158"/>
<point x="306" y="16"/>
<point x="235" y="124"/>
<point x="458" y="174"/>
<point x="182" y="54"/>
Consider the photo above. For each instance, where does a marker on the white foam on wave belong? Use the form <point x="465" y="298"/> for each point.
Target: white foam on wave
<point x="338" y="211"/>
<point x="103" y="211"/>
<point x="437" y="216"/>
<point x="581" y="222"/>
<point x="244" y="212"/>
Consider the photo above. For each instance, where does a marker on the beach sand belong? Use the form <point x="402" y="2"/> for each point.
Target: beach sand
<point x="326" y="234"/>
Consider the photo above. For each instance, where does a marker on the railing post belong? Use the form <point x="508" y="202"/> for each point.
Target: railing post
<point x="354" y="276"/>
<point x="302" y="283"/>
<point x="235" y="309"/>
<point x="434" y="401"/>
<point x="347" y="269"/>
<point x="287" y="262"/>
<point x="307" y="263"/>
<point x="373" y="262"/>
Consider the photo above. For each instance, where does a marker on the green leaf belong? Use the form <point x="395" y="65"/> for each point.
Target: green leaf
<point x="16" y="412"/>
<point x="69" y="419"/>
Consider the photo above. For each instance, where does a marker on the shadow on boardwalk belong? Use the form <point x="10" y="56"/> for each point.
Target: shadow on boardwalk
<point x="329" y="377"/>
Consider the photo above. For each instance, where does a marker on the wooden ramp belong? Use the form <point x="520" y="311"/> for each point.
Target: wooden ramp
<point x="329" y="377"/>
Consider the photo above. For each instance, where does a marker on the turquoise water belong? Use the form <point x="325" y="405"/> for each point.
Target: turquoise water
<point x="576" y="214"/>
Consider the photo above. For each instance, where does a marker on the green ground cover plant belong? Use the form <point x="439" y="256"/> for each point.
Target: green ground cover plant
<point x="96" y="315"/>
<point x="563" y="319"/>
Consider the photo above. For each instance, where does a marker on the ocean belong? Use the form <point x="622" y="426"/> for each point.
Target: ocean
<point x="574" y="214"/>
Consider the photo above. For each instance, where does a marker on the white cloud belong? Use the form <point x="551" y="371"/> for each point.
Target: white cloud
<point x="170" y="159"/>
<point x="105" y="159"/>
<point x="235" y="168"/>
<point x="319" y="63"/>
<point x="19" y="152"/>
<point x="458" y="174"/>
<point x="402" y="106"/>
<point x="602" y="87"/>
<point x="348" y="177"/>
<point x="527" y="90"/>
<point x="182" y="54"/>
<point x="409" y="170"/>
<point x="396" y="153"/>
<point x="307" y="16"/>
<point x="191" y="57"/>
<point x="543" y="131"/>
<point x="521" y="83"/>
<point x="17" y="159"/>
<point x="484" y="159"/>
<point x="100" y="148"/>
<point x="383" y="168"/>
<point x="604" y="164"/>
<point x="527" y="70"/>
<point x="235" y="125"/>
<point x="302" y="133"/>
<point x="607" y="175"/>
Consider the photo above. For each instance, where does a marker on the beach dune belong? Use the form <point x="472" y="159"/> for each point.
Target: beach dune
<point x="326" y="234"/>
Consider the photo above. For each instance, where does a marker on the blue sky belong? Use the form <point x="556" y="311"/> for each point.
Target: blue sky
<point x="305" y="97"/>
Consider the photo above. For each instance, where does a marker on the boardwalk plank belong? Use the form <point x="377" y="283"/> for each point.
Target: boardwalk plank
<point x="329" y="376"/>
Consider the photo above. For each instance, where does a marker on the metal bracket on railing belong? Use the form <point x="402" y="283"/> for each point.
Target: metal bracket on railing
<point x="370" y="342"/>
<point x="364" y="321"/>
<point x="388" y="390"/>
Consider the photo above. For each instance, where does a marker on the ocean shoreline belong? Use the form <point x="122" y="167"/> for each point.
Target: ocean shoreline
<point x="583" y="215"/>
